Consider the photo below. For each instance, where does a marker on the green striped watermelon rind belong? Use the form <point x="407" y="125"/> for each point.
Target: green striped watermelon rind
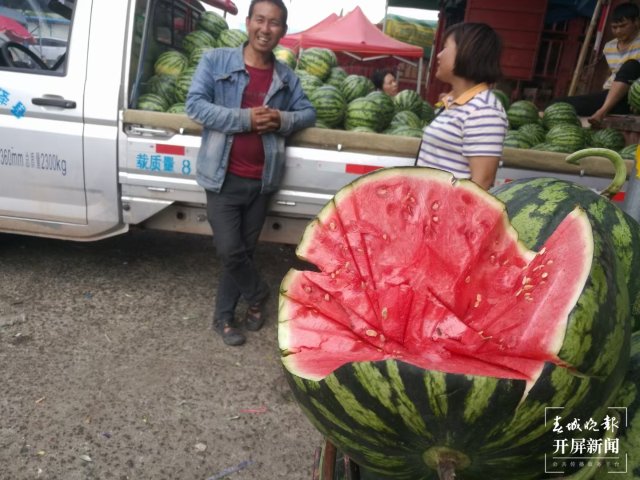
<point x="152" y="102"/>
<point x="408" y="100"/>
<point x="522" y="112"/>
<point x="232" y="38"/>
<point x="559" y="113"/>
<point x="608" y="138"/>
<point x="356" y="86"/>
<point x="170" y="62"/>
<point x="212" y="23"/>
<point x="567" y="136"/>
<point x="317" y="61"/>
<point x="329" y="104"/>
<point x="633" y="96"/>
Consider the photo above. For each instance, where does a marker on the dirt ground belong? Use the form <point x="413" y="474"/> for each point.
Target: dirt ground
<point x="109" y="368"/>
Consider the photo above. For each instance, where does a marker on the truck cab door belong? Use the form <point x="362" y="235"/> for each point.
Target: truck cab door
<point x="41" y="115"/>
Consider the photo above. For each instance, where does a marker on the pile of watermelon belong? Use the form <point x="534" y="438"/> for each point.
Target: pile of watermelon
<point x="559" y="129"/>
<point x="342" y="101"/>
<point x="166" y="89"/>
<point x="350" y="102"/>
<point x="443" y="322"/>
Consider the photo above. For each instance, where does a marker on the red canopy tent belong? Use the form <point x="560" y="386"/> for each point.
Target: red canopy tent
<point x="292" y="40"/>
<point x="355" y="36"/>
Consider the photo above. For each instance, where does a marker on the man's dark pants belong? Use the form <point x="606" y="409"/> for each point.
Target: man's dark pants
<point x="236" y="216"/>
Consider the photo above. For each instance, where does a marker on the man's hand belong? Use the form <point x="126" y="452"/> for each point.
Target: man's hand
<point x="265" y="119"/>
<point x="596" y="118"/>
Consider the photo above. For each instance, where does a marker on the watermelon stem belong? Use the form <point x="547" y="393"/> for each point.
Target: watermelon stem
<point x="619" y="165"/>
<point x="446" y="461"/>
<point x="447" y="469"/>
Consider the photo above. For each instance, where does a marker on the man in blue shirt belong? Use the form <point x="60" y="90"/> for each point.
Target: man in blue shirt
<point x="247" y="103"/>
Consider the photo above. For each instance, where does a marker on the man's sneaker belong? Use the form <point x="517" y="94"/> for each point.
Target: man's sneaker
<point x="230" y="335"/>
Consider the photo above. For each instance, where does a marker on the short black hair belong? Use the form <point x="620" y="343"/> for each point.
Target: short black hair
<point x="625" y="11"/>
<point x="378" y="77"/>
<point x="478" y="52"/>
<point x="278" y="3"/>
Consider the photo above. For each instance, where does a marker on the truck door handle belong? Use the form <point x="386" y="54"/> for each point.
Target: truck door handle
<point x="53" y="102"/>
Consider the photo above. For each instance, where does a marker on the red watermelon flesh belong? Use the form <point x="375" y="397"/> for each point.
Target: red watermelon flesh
<point x="417" y="267"/>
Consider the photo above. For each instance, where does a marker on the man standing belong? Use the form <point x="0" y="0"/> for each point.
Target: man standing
<point x="247" y="103"/>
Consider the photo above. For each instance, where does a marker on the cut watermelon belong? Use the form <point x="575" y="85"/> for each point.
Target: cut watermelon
<point x="422" y="269"/>
<point x="431" y="340"/>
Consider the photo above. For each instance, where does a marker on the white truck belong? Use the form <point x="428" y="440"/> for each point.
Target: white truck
<point x="77" y="162"/>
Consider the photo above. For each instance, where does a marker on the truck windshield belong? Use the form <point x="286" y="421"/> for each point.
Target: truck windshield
<point x="34" y="35"/>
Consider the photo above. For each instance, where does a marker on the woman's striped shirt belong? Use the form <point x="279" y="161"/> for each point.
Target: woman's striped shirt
<point x="615" y="58"/>
<point x="476" y="128"/>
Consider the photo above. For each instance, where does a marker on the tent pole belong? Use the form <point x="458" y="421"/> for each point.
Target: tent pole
<point x="585" y="47"/>
<point x="384" y="20"/>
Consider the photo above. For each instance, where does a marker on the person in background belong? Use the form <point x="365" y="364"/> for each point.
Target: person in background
<point x="466" y="137"/>
<point x="385" y="81"/>
<point x="622" y="55"/>
<point x="247" y="103"/>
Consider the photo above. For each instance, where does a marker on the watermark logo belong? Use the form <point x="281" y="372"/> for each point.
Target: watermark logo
<point x="579" y="443"/>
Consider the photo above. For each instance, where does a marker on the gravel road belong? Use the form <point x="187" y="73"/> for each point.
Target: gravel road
<point x="109" y="368"/>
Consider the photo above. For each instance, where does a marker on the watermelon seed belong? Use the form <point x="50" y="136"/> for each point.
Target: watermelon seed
<point x="518" y="292"/>
<point x="371" y="333"/>
<point x="492" y="258"/>
<point x="525" y="280"/>
<point x="488" y="337"/>
<point x="528" y="287"/>
<point x="435" y="219"/>
<point x="382" y="192"/>
<point x="545" y="275"/>
<point x="435" y="205"/>
<point x="327" y="297"/>
<point x="385" y="236"/>
<point x="307" y="289"/>
<point x="543" y="251"/>
<point x="468" y="279"/>
<point x="333" y="225"/>
<point x="384" y="313"/>
<point x="549" y="262"/>
<point x="478" y="300"/>
<point x="528" y="297"/>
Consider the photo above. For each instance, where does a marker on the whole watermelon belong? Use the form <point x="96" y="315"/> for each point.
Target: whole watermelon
<point x="317" y="61"/>
<point x="329" y="104"/>
<point x="212" y="23"/>
<point x="566" y="136"/>
<point x="385" y="109"/>
<point x="515" y="139"/>
<point x="633" y="96"/>
<point x="286" y="56"/>
<point x="532" y="133"/>
<point x="522" y="112"/>
<point x="629" y="152"/>
<point x="559" y="113"/>
<point x="356" y="86"/>
<point x="170" y="62"/>
<point x="608" y="138"/>
<point x="431" y="339"/>
<point x="408" y="100"/>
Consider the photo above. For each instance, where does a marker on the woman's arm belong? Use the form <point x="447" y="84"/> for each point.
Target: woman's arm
<point x="483" y="170"/>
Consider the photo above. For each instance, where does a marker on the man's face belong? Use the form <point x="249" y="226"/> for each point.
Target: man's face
<point x="265" y="27"/>
<point x="625" y="29"/>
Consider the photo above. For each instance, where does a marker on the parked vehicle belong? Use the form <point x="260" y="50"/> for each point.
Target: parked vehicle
<point x="78" y="162"/>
